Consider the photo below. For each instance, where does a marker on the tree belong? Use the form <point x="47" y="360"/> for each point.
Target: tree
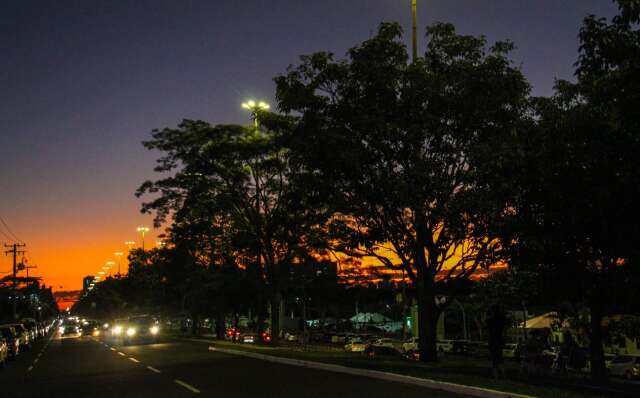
<point x="399" y="150"/>
<point x="237" y="184"/>
<point x="576" y="217"/>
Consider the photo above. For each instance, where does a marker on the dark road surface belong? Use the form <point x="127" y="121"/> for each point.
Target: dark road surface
<point x="85" y="367"/>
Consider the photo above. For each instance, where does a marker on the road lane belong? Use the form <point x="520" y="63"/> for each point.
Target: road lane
<point x="82" y="367"/>
<point x="217" y="374"/>
<point x="18" y="368"/>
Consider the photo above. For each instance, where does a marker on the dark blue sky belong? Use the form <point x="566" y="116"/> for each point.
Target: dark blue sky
<point x="83" y="82"/>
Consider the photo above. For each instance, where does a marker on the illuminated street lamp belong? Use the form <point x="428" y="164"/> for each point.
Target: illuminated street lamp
<point x="161" y="243"/>
<point x="142" y="231"/>
<point x="119" y="257"/>
<point x="129" y="244"/>
<point x="255" y="108"/>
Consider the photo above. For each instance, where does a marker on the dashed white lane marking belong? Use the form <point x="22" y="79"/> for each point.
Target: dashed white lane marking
<point x="187" y="386"/>
<point x="30" y="368"/>
<point x="151" y="368"/>
<point x="122" y="353"/>
<point x="35" y="361"/>
<point x="112" y="349"/>
<point x="134" y="360"/>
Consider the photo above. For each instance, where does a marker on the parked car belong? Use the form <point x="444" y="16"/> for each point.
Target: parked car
<point x="355" y="344"/>
<point x="627" y="366"/>
<point x="381" y="351"/>
<point x="383" y="342"/>
<point x="410" y="345"/>
<point x="248" y="338"/>
<point x="13" y="341"/>
<point x="444" y="345"/>
<point x="511" y="351"/>
<point x="23" y="336"/>
<point x="32" y="326"/>
<point x="4" y="352"/>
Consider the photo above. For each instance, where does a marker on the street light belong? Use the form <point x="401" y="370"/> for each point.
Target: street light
<point x="129" y="244"/>
<point x="119" y="257"/>
<point x="143" y="231"/>
<point x="161" y="243"/>
<point x="255" y="107"/>
<point x="414" y="29"/>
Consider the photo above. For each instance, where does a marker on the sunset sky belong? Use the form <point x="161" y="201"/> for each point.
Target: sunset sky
<point x="82" y="83"/>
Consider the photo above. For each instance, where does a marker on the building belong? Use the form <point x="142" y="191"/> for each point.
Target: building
<point x="86" y="281"/>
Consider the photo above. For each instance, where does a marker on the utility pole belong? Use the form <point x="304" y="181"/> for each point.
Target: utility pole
<point x="13" y="249"/>
<point x="414" y="29"/>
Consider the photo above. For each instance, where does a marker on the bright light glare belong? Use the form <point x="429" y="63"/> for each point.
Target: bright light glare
<point x="61" y="329"/>
<point x="96" y="333"/>
<point x="131" y="332"/>
<point x="117" y="330"/>
<point x="154" y="329"/>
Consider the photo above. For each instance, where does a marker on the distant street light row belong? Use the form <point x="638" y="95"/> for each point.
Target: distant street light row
<point x="255" y="107"/>
<point x="109" y="264"/>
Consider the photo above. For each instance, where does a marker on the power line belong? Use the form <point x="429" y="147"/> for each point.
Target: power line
<point x="15" y="238"/>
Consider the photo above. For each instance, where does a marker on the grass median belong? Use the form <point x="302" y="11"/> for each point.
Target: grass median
<point x="459" y="370"/>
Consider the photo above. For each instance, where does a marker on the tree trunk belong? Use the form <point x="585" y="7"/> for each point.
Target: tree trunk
<point x="428" y="314"/>
<point x="598" y="367"/>
<point x="220" y="325"/>
<point x="275" y="318"/>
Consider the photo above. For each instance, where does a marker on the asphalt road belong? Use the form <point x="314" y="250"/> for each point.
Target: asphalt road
<point x="87" y="367"/>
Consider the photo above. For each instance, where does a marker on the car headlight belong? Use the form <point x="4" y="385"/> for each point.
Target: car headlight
<point x="131" y="332"/>
<point x="154" y="329"/>
<point x="117" y="330"/>
<point x="61" y="329"/>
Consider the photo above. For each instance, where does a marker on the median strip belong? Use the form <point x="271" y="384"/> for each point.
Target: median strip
<point x="187" y="386"/>
<point x="376" y="374"/>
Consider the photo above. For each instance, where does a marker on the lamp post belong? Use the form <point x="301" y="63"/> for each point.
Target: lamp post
<point x="142" y="231"/>
<point x="414" y="29"/>
<point x="109" y="264"/>
<point x="255" y="108"/>
<point x="119" y="257"/>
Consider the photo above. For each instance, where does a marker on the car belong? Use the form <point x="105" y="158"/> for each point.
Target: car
<point x="248" y="338"/>
<point x="444" y="345"/>
<point x="355" y="344"/>
<point x="23" y="335"/>
<point x="32" y="326"/>
<point x="383" y="342"/>
<point x="4" y="352"/>
<point x="9" y="334"/>
<point x="381" y="351"/>
<point x="69" y="328"/>
<point x="627" y="366"/>
<point x="410" y="345"/>
<point x="141" y="328"/>
<point x="511" y="351"/>
<point x="90" y="328"/>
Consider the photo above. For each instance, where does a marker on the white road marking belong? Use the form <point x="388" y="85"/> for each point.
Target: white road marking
<point x="35" y="361"/>
<point x="151" y="368"/>
<point x="30" y="368"/>
<point x="113" y="349"/>
<point x="122" y="353"/>
<point x="134" y="360"/>
<point x="187" y="386"/>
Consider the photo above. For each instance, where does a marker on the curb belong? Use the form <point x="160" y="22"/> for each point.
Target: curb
<point x="376" y="374"/>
